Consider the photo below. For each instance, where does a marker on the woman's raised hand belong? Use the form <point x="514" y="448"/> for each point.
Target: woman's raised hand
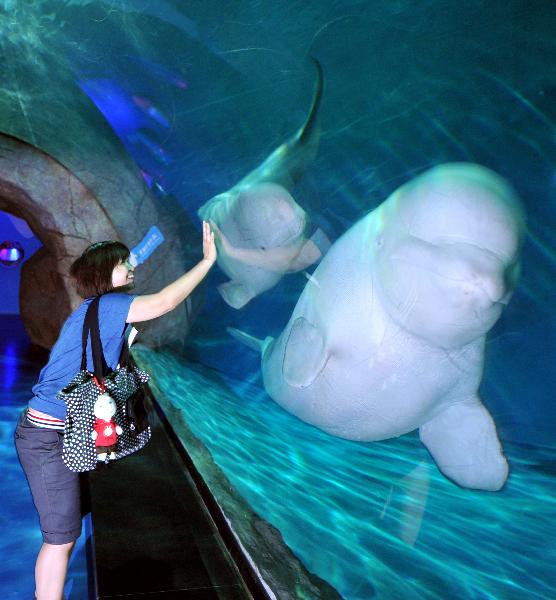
<point x="221" y="238"/>
<point x="209" y="247"/>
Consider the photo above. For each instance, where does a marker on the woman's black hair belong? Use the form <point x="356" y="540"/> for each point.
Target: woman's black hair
<point x="92" y="271"/>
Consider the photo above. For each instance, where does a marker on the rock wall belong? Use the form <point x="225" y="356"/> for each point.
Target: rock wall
<point x="67" y="216"/>
<point x="64" y="170"/>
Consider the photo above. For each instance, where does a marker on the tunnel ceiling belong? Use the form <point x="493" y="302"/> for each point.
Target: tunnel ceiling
<point x="199" y="93"/>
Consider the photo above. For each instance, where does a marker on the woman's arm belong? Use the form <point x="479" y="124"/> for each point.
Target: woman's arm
<point x="150" y="306"/>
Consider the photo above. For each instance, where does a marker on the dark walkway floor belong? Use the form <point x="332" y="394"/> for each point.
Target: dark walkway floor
<point x="152" y="535"/>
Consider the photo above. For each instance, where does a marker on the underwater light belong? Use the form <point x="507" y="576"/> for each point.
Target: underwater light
<point x="11" y="253"/>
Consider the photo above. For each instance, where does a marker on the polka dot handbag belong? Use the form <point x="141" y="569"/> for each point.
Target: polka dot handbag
<point x="80" y="395"/>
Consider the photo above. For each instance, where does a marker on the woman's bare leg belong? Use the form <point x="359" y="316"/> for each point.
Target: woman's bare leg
<point x="50" y="570"/>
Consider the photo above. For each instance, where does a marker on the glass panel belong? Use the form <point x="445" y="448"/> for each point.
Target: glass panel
<point x="394" y="305"/>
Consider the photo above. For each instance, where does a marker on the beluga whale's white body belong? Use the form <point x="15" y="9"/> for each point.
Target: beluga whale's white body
<point x="389" y="334"/>
<point x="260" y="227"/>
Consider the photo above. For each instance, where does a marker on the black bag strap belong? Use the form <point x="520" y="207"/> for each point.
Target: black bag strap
<point x="85" y="335"/>
<point x="91" y="325"/>
<point x="124" y="354"/>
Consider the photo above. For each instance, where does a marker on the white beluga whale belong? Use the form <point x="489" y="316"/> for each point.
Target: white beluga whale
<point x="389" y="335"/>
<point x="261" y="230"/>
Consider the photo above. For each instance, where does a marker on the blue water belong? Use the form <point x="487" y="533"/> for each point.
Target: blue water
<point x="375" y="520"/>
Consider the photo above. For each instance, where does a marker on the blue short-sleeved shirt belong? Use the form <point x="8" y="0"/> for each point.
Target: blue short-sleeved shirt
<point x="65" y="357"/>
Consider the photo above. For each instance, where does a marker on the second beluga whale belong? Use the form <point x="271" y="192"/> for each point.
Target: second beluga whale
<point x="261" y="230"/>
<point x="389" y="334"/>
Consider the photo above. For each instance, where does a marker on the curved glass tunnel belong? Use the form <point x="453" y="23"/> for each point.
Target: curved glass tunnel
<point x="196" y="96"/>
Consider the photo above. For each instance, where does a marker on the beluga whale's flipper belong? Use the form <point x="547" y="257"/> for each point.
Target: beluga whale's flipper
<point x="462" y="440"/>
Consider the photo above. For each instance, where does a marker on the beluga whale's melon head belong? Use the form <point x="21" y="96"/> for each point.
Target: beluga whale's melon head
<point x="267" y="216"/>
<point x="447" y="253"/>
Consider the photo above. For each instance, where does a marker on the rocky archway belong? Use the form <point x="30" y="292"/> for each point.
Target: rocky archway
<point x="66" y="217"/>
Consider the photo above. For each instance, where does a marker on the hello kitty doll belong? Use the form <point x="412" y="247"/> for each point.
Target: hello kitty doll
<point x="106" y="431"/>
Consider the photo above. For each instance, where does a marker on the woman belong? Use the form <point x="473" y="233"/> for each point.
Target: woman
<point x="102" y="268"/>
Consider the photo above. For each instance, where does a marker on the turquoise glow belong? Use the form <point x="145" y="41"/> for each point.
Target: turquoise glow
<point x="374" y="520"/>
